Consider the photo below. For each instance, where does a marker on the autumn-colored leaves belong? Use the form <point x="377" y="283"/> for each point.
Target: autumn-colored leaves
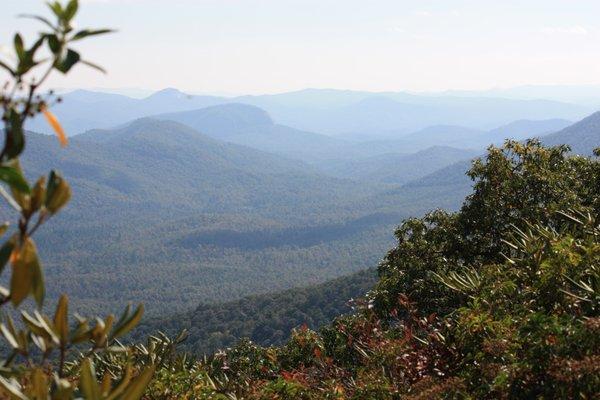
<point x="53" y="121"/>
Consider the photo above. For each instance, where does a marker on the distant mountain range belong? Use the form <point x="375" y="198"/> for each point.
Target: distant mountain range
<point x="219" y="201"/>
<point x="588" y="95"/>
<point x="523" y="129"/>
<point x="333" y="112"/>
<point x="582" y="137"/>
<point x="251" y="126"/>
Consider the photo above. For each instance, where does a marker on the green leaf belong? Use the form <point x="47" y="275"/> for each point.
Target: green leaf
<point x="7" y="68"/>
<point x="40" y="384"/>
<point x="56" y="8"/>
<point x="61" y="319"/>
<point x="38" y="286"/>
<point x="92" y="65"/>
<point x="33" y="324"/>
<point x="87" y="381"/>
<point x="12" y="388"/>
<point x="63" y="389"/>
<point x="5" y="252"/>
<point x="26" y="59"/>
<point x="31" y="52"/>
<point x="15" y="139"/>
<point x="122" y="385"/>
<point x="54" y="44"/>
<point x="20" y="283"/>
<point x="67" y="62"/>
<point x="14" y="179"/>
<point x="27" y="275"/>
<point x="19" y="46"/>
<point x="127" y="323"/>
<point x="135" y="390"/>
<point x="37" y="17"/>
<point x="89" y="32"/>
<point x="58" y="192"/>
<point x="12" y="341"/>
<point x="71" y="10"/>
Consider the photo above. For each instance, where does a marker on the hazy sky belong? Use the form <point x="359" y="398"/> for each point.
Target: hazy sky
<point x="252" y="46"/>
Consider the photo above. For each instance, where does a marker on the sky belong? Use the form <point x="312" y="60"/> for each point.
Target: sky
<point x="270" y="46"/>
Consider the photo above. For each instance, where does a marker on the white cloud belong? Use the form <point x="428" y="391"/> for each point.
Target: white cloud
<point x="565" y="30"/>
<point x="396" y="29"/>
<point x="423" y="13"/>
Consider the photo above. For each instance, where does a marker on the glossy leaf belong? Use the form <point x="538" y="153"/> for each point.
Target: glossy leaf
<point x="15" y="139"/>
<point x="38" y="194"/>
<point x="22" y="275"/>
<point x="135" y="390"/>
<point x="61" y="319"/>
<point x="128" y="322"/>
<point x="19" y="46"/>
<point x="87" y="381"/>
<point x="12" y="388"/>
<point x="89" y="32"/>
<point x="58" y="192"/>
<point x="40" y="384"/>
<point x="7" y="68"/>
<point x="67" y="62"/>
<point x="92" y="65"/>
<point x="10" y="338"/>
<point x="71" y="10"/>
<point x="39" y="18"/>
<point x="5" y="252"/>
<point x="14" y="179"/>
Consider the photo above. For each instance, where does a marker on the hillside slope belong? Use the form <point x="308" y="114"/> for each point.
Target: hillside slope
<point x="151" y="163"/>
<point x="253" y="127"/>
<point x="583" y="137"/>
<point x="266" y="319"/>
<point x="156" y="203"/>
<point x="396" y="168"/>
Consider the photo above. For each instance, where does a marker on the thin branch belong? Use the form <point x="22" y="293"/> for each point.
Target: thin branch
<point x="9" y="199"/>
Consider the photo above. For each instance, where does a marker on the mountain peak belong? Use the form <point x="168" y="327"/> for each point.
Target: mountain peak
<point x="583" y="136"/>
<point x="169" y="93"/>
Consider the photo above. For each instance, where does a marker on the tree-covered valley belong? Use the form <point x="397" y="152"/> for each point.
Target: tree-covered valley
<point x="166" y="214"/>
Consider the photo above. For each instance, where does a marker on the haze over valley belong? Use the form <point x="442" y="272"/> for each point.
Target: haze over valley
<point x="181" y="200"/>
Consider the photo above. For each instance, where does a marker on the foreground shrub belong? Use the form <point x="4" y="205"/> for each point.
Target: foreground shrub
<point x="48" y="357"/>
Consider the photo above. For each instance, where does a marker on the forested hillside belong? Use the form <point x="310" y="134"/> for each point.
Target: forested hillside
<point x="394" y="168"/>
<point x="158" y="206"/>
<point x="266" y="319"/>
<point x="498" y="299"/>
<point x="167" y="215"/>
<point x="582" y="136"/>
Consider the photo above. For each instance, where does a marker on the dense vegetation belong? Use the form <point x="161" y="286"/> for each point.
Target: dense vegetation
<point x="168" y="216"/>
<point x="266" y="319"/>
<point x="498" y="300"/>
<point x="49" y="356"/>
